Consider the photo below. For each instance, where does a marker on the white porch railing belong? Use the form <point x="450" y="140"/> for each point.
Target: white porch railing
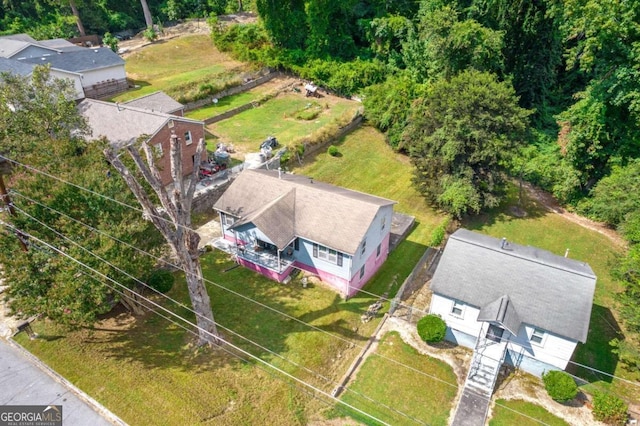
<point x="262" y="258"/>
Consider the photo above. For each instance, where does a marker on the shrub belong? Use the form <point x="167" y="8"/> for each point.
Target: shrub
<point x="333" y="151"/>
<point x="432" y="328"/>
<point x="437" y="236"/>
<point x="150" y="34"/>
<point x="110" y="41"/>
<point x="559" y="385"/>
<point x="161" y="280"/>
<point x="609" y="409"/>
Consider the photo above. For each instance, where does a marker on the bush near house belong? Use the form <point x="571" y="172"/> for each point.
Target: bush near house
<point x="431" y="328"/>
<point x="161" y="280"/>
<point x="560" y="386"/>
<point x="609" y="409"/>
<point x="332" y="151"/>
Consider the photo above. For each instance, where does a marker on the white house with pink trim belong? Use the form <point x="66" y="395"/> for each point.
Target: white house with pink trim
<point x="275" y="222"/>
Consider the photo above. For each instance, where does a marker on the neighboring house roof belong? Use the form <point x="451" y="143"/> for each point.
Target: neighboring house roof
<point x="284" y="206"/>
<point x="123" y="124"/>
<point x="81" y="59"/>
<point x="511" y="284"/>
<point x="59" y="44"/>
<point x="15" y="67"/>
<point x="157" y="101"/>
<point x="11" y="45"/>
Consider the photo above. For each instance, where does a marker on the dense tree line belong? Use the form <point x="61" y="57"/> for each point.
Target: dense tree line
<point x="44" y="19"/>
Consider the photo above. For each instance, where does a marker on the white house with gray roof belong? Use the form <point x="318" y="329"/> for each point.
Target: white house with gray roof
<point x="511" y="303"/>
<point x="96" y="71"/>
<point x="275" y="222"/>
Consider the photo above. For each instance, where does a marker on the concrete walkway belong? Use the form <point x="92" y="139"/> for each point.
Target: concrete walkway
<point x="472" y="408"/>
<point x="25" y="380"/>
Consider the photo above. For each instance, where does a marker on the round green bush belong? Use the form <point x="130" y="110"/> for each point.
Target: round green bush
<point x="333" y="150"/>
<point x="609" y="409"/>
<point x="560" y="386"/>
<point x="161" y="280"/>
<point x="432" y="328"/>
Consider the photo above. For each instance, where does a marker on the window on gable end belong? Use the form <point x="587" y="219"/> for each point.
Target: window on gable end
<point x="187" y="138"/>
<point x="537" y="336"/>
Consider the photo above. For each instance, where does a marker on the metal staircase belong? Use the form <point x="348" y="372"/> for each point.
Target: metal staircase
<point x="488" y="357"/>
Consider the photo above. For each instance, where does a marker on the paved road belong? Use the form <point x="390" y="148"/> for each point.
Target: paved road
<point x="24" y="380"/>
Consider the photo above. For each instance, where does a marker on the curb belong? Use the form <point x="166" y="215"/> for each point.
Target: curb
<point x="99" y="408"/>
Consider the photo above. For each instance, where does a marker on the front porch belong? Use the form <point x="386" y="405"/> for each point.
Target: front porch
<point x="278" y="262"/>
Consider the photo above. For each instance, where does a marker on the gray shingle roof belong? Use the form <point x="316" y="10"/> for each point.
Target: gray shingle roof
<point x="157" y="101"/>
<point x="547" y="291"/>
<point x="123" y="124"/>
<point x="79" y="60"/>
<point x="15" y="67"/>
<point x="326" y="214"/>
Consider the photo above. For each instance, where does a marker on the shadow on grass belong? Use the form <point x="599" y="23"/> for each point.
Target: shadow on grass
<point x="514" y="207"/>
<point x="596" y="353"/>
<point x="156" y="342"/>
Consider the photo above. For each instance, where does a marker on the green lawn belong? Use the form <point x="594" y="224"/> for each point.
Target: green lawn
<point x="551" y="232"/>
<point x="504" y="414"/>
<point x="228" y="103"/>
<point x="407" y="394"/>
<point x="175" y="64"/>
<point x="149" y="365"/>
<point x="277" y="117"/>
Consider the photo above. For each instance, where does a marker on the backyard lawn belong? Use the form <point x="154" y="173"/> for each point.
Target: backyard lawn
<point x="421" y="394"/>
<point x="511" y="412"/>
<point x="284" y="118"/>
<point x="176" y="66"/>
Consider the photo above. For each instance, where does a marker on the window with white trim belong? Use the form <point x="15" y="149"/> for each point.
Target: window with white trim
<point x="457" y="309"/>
<point x="378" y="250"/>
<point x="325" y="253"/>
<point x="383" y="222"/>
<point x="228" y="220"/>
<point x="158" y="149"/>
<point x="364" y="246"/>
<point x="187" y="138"/>
<point x="537" y="336"/>
<point x="362" y="272"/>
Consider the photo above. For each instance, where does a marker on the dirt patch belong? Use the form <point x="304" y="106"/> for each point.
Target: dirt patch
<point x="528" y="388"/>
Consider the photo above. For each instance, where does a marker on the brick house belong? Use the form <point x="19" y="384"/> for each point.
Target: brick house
<point x="123" y="124"/>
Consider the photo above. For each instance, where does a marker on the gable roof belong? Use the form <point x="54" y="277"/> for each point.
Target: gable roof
<point x="80" y="59"/>
<point x="545" y="290"/>
<point x="285" y="205"/>
<point x="15" y="67"/>
<point x="123" y="124"/>
<point x="156" y="101"/>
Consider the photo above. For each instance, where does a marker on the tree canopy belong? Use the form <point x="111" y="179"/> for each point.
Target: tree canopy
<point x="460" y="135"/>
<point x="42" y="280"/>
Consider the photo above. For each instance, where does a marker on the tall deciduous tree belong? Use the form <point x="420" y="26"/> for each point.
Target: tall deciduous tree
<point x="148" y="19"/>
<point x="605" y="121"/>
<point x="285" y="22"/>
<point x="177" y="230"/>
<point x="442" y="45"/>
<point x="460" y="135"/>
<point x="41" y="281"/>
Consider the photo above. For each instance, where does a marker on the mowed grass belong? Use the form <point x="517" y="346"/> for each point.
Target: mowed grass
<point x="150" y="365"/>
<point x="512" y="412"/>
<point x="169" y="64"/>
<point x="420" y="394"/>
<point x="367" y="164"/>
<point x="556" y="234"/>
<point x="277" y="117"/>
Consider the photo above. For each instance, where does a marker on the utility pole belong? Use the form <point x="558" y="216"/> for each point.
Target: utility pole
<point x="4" y="195"/>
